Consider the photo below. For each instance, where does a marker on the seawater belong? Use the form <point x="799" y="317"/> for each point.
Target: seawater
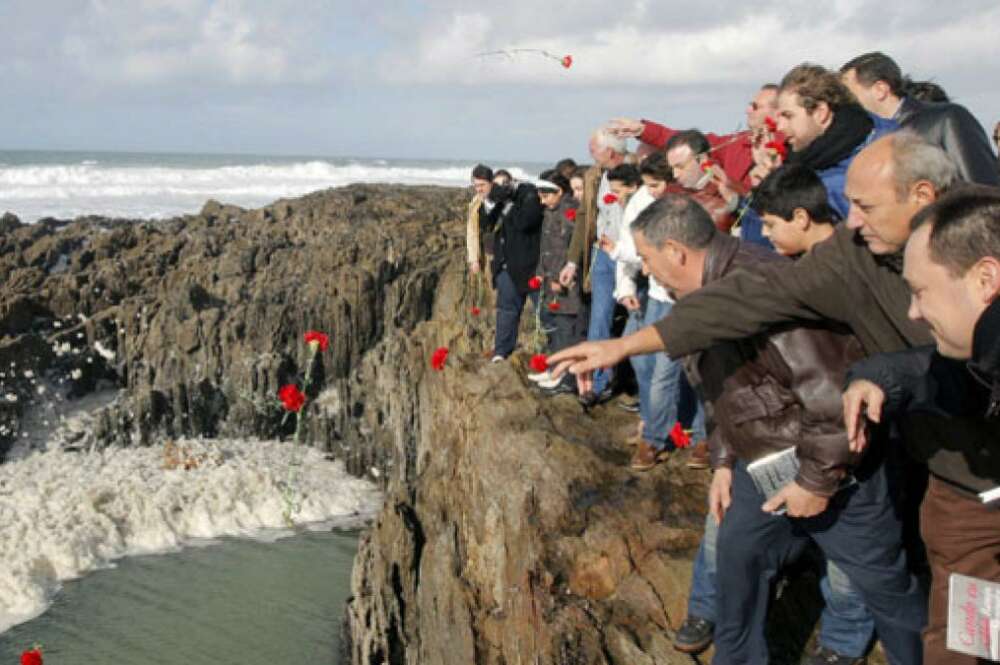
<point x="64" y="185"/>
<point x="244" y="602"/>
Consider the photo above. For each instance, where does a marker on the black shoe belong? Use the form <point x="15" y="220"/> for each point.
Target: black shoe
<point x="630" y="406"/>
<point x="694" y="635"/>
<point x="561" y="388"/>
<point x="825" y="656"/>
<point x="591" y="399"/>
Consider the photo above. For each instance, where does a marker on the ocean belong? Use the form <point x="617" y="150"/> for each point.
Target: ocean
<point x="39" y="184"/>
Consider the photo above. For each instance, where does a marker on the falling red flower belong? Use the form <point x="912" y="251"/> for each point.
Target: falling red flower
<point x="539" y="362"/>
<point x="475" y="311"/>
<point x="316" y="336"/>
<point x="610" y="198"/>
<point x="771" y="124"/>
<point x="567" y="61"/>
<point x="535" y="283"/>
<point x="291" y="397"/>
<point x="680" y="438"/>
<point x="570" y="214"/>
<point x="31" y="657"/>
<point x="707" y="165"/>
<point x="554" y="306"/>
<point x="438" y="358"/>
<point x="778" y="147"/>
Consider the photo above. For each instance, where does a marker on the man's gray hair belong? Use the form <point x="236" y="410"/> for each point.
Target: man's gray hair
<point x="675" y="217"/>
<point x="915" y="159"/>
<point x="605" y="139"/>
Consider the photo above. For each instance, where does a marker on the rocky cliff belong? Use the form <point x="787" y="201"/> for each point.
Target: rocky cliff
<point x="512" y="531"/>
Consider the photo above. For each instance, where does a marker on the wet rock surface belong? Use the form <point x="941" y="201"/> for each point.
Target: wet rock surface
<point x="512" y="530"/>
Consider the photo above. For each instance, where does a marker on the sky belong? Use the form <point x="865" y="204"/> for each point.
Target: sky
<point x="406" y="79"/>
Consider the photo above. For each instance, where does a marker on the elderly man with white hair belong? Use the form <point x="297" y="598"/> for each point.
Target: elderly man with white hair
<point x="599" y="214"/>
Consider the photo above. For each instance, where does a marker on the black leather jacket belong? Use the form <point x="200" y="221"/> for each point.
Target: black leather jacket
<point x="952" y="127"/>
<point x="948" y="410"/>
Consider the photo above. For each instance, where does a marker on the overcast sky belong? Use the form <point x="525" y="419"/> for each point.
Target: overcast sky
<point x="402" y="79"/>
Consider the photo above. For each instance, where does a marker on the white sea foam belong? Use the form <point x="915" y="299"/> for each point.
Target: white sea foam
<point x="150" y="191"/>
<point x="63" y="514"/>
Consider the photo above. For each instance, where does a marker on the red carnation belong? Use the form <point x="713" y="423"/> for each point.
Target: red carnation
<point x="554" y="306"/>
<point x="535" y="283"/>
<point x="567" y="61"/>
<point x="32" y="657"/>
<point x="539" y="362"/>
<point x="778" y="147"/>
<point x="475" y="311"/>
<point x="610" y="198"/>
<point x="707" y="165"/>
<point x="680" y="438"/>
<point x="570" y="214"/>
<point x="322" y="339"/>
<point x="291" y="397"/>
<point x="770" y="123"/>
<point x="438" y="358"/>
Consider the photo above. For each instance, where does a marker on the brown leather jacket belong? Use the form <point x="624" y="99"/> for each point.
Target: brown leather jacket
<point x="771" y="391"/>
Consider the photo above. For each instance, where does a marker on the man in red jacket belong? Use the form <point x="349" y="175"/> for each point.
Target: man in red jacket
<point x="734" y="152"/>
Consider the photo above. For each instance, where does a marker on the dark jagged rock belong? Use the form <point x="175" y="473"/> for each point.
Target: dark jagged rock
<point x="511" y="530"/>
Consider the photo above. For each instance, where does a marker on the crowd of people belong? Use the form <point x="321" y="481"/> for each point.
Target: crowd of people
<point x="814" y="300"/>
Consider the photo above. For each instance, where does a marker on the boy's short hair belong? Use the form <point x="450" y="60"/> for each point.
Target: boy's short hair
<point x="790" y="187"/>
<point x="627" y="174"/>
<point x="656" y="166"/>
<point x="482" y="172"/>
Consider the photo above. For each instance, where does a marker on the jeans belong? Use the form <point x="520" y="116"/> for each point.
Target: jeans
<point x="659" y="396"/>
<point x="602" y="308"/>
<point x="510" y="303"/>
<point x="859" y="531"/>
<point x="690" y="410"/>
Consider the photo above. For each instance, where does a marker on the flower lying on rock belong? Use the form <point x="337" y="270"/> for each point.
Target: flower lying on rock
<point x="679" y="437"/>
<point x="539" y="362"/>
<point x="567" y="61"/>
<point x="291" y="397"/>
<point x="475" y="311"/>
<point x="438" y="358"/>
<point x="570" y="214"/>
<point x="32" y="656"/>
<point x="321" y="340"/>
<point x="610" y="198"/>
<point x="554" y="306"/>
<point x="535" y="283"/>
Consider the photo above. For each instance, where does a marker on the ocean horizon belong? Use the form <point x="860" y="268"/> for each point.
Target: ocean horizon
<point x="38" y="184"/>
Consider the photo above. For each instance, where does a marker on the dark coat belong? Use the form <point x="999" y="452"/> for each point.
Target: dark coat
<point x="959" y="134"/>
<point x="517" y="235"/>
<point x="773" y="391"/>
<point x="948" y="410"/>
<point x="557" y="233"/>
<point x="839" y="280"/>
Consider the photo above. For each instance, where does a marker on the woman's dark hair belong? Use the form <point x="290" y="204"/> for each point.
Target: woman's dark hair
<point x="926" y="91"/>
<point x="556" y="178"/>
<point x="566" y="167"/>
<point x="482" y="172"/>
<point x="626" y="174"/>
<point x="503" y="173"/>
<point x="656" y="166"/>
<point x="790" y="187"/>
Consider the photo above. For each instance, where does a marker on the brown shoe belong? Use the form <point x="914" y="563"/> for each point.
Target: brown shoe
<point x="646" y="457"/>
<point x="699" y="456"/>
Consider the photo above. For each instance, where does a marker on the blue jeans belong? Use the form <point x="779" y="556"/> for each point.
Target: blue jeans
<point x="659" y="397"/>
<point x="510" y="303"/>
<point x="602" y="308"/>
<point x="846" y="626"/>
<point x="859" y="531"/>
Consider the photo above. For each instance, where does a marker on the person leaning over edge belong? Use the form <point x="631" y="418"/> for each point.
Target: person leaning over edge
<point x="777" y="391"/>
<point x="947" y="399"/>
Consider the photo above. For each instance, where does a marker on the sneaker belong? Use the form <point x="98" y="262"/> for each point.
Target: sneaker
<point x="646" y="457"/>
<point x="550" y="383"/>
<point x="539" y="377"/>
<point x="632" y="406"/>
<point x="497" y="359"/>
<point x="825" y="656"/>
<point x="699" y="458"/>
<point x="560" y="388"/>
<point x="694" y="635"/>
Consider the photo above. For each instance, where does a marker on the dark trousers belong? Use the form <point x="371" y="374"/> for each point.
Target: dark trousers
<point x="564" y="330"/>
<point x="962" y="536"/>
<point x="510" y="303"/>
<point x="860" y="531"/>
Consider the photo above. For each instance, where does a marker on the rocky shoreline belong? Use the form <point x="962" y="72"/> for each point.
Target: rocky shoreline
<point x="512" y="531"/>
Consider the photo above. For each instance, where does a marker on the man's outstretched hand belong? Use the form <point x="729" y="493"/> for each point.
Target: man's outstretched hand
<point x="587" y="357"/>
